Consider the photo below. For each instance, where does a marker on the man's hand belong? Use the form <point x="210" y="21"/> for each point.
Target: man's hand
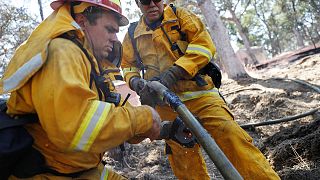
<point x="175" y="73"/>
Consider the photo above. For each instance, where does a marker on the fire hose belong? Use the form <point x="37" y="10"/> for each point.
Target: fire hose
<point x="223" y="164"/>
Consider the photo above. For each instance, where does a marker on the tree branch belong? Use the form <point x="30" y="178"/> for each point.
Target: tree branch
<point x="277" y="121"/>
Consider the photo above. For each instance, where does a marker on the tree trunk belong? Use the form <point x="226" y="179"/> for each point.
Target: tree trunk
<point x="315" y="6"/>
<point x="243" y="36"/>
<point x="293" y="17"/>
<point x="41" y="9"/>
<point x="218" y="31"/>
<point x="299" y="37"/>
<point x="272" y="35"/>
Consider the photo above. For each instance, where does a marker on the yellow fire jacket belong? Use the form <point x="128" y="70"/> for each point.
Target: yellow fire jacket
<point x="50" y="76"/>
<point x="155" y="50"/>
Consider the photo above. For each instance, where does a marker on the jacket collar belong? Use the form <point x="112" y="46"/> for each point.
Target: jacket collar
<point x="32" y="54"/>
<point x="168" y="17"/>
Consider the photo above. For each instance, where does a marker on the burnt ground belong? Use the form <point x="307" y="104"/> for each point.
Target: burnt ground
<point x="292" y="148"/>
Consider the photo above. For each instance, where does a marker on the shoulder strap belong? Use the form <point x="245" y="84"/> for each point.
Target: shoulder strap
<point x="174" y="9"/>
<point x="139" y="62"/>
<point x="182" y="34"/>
<point x="174" y="45"/>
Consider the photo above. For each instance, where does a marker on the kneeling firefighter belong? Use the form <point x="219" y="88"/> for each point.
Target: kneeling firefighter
<point x="63" y="74"/>
<point x="171" y="45"/>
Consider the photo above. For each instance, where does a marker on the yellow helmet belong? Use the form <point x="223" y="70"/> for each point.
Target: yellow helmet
<point x="113" y="5"/>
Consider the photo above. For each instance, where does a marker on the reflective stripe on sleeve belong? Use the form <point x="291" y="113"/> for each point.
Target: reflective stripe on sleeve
<point x="105" y="173"/>
<point x="22" y="73"/>
<point x="186" y="96"/>
<point x="90" y="126"/>
<point x="197" y="49"/>
<point x="130" y="69"/>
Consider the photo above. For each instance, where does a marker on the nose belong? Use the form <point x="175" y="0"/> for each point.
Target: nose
<point x="152" y="3"/>
<point x="114" y="37"/>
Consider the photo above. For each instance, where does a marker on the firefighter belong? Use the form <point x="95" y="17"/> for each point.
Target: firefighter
<point x="172" y="46"/>
<point x="61" y="74"/>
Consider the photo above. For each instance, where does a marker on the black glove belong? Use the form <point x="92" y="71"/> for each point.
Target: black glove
<point x="178" y="132"/>
<point x="137" y="84"/>
<point x="169" y="77"/>
<point x="149" y="97"/>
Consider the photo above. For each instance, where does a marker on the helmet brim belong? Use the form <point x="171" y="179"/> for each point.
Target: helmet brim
<point x="56" y="4"/>
<point x="123" y="21"/>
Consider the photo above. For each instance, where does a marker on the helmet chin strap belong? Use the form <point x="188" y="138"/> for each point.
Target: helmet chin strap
<point x="72" y="4"/>
<point x="88" y="37"/>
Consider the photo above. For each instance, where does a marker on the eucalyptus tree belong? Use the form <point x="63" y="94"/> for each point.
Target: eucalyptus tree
<point x="219" y="34"/>
<point x="15" y="26"/>
<point x="292" y="14"/>
<point x="276" y="25"/>
<point x="315" y="5"/>
<point x="231" y="7"/>
<point x="263" y="9"/>
<point x="310" y="19"/>
<point x="40" y="9"/>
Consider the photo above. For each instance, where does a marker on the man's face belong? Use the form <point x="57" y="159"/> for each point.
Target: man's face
<point x="102" y="35"/>
<point x="152" y="11"/>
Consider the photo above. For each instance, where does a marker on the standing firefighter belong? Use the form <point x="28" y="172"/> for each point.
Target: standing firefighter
<point x="61" y="74"/>
<point x="173" y="47"/>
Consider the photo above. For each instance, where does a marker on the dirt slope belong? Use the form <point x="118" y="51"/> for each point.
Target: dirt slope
<point x="293" y="148"/>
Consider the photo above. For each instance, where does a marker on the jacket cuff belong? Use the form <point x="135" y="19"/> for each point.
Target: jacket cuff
<point x="128" y="76"/>
<point x="189" y="66"/>
<point x="142" y="120"/>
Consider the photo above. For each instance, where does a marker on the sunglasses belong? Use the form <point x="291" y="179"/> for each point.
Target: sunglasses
<point x="147" y="2"/>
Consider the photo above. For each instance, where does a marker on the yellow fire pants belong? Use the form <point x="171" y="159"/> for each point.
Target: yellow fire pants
<point x="216" y="118"/>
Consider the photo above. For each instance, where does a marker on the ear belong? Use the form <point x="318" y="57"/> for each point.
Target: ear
<point x="81" y="20"/>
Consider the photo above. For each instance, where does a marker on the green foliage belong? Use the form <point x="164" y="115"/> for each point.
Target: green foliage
<point x="271" y="23"/>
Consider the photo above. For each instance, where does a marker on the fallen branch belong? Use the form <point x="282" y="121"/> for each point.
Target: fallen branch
<point x="299" y="158"/>
<point x="277" y="121"/>
<point x="243" y="89"/>
<point x="305" y="83"/>
<point x="126" y="164"/>
<point x="124" y="161"/>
